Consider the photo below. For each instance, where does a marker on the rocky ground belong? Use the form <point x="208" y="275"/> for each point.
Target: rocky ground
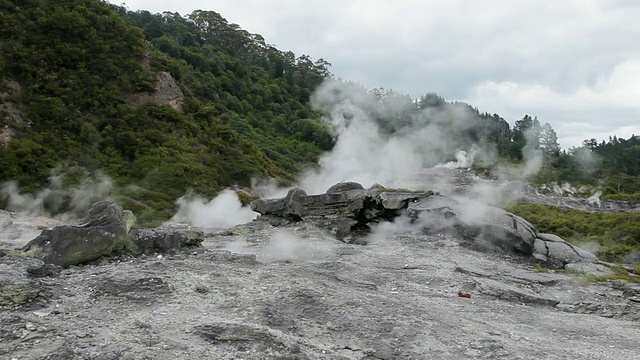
<point x="294" y="292"/>
<point x="283" y="286"/>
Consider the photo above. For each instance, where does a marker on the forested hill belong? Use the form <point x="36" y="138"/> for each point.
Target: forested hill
<point x="162" y="101"/>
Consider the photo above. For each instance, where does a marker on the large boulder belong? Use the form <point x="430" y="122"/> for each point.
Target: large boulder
<point x="553" y="249"/>
<point x="487" y="227"/>
<point x="104" y="230"/>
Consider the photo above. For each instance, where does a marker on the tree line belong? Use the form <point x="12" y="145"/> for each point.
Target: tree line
<point x="246" y="111"/>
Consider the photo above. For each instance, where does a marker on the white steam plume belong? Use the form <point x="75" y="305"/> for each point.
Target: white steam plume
<point x="225" y="210"/>
<point x="285" y="246"/>
<point x="587" y="161"/>
<point x="366" y="153"/>
<point x="56" y="200"/>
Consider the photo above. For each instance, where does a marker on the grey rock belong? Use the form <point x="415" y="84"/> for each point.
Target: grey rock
<point x="268" y="206"/>
<point x="547" y="279"/>
<point x="163" y="239"/>
<point x="398" y="200"/>
<point x="554" y="247"/>
<point x="633" y="258"/>
<point x="344" y="186"/>
<point x="590" y="268"/>
<point x="17" y="287"/>
<point x="44" y="270"/>
<point x="228" y="256"/>
<point x="103" y="231"/>
<point x="512" y="293"/>
<point x="488" y="227"/>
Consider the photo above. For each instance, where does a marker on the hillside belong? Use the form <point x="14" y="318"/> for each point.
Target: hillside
<point x="167" y="106"/>
<point x="163" y="104"/>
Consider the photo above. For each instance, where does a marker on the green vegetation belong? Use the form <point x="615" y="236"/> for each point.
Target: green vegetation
<point x="617" y="278"/>
<point x="163" y="103"/>
<point x="15" y="296"/>
<point x="79" y="71"/>
<point x="541" y="268"/>
<point x="617" y="234"/>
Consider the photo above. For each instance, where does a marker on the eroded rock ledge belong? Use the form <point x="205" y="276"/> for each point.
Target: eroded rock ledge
<point x="348" y="211"/>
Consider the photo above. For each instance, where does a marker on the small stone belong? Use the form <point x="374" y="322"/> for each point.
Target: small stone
<point x="473" y="353"/>
<point x="142" y="324"/>
<point x="295" y="349"/>
<point x="330" y="325"/>
<point x="29" y="326"/>
<point x="202" y="289"/>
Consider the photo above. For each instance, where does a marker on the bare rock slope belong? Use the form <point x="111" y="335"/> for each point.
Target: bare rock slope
<point x="284" y="287"/>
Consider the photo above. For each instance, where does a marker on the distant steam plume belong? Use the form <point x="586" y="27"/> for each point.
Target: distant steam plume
<point x="57" y="200"/>
<point x="389" y="143"/>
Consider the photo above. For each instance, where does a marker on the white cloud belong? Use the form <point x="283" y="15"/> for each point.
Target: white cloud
<point x="588" y="112"/>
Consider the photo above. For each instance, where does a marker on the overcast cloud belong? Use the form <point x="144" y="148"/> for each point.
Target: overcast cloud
<point x="574" y="64"/>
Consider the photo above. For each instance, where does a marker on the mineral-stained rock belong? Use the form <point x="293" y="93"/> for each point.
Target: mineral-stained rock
<point x="17" y="287"/>
<point x="162" y="239"/>
<point x="103" y="231"/>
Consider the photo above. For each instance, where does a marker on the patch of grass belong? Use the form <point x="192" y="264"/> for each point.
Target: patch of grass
<point x="617" y="279"/>
<point x="617" y="234"/>
<point x="620" y="273"/>
<point x="541" y="268"/>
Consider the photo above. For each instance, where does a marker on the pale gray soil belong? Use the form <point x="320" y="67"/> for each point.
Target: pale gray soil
<point x="307" y="296"/>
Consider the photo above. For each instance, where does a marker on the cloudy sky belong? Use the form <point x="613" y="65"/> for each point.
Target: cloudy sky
<point x="572" y="63"/>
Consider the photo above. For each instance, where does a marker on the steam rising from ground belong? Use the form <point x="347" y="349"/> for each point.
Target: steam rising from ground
<point x="49" y="207"/>
<point x="57" y="200"/>
<point x="368" y="153"/>
<point x="284" y="246"/>
<point x="225" y="210"/>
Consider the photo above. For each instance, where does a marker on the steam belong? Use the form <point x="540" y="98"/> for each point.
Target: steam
<point x="57" y="200"/>
<point x="225" y="210"/>
<point x="463" y="160"/>
<point x="586" y="160"/>
<point x="366" y="151"/>
<point x="284" y="246"/>
<point x="594" y="200"/>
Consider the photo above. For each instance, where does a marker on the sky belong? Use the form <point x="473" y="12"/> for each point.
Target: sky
<point x="572" y="63"/>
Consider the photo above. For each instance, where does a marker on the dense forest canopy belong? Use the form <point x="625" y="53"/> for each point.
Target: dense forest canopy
<point x="163" y="103"/>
